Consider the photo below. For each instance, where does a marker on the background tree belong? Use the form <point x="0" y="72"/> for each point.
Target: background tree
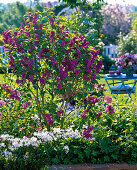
<point x="127" y="43"/>
<point x="12" y="16"/>
<point x="134" y="23"/>
<point x="116" y="19"/>
<point x="74" y="3"/>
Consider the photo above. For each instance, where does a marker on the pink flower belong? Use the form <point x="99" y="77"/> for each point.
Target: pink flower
<point x="2" y="103"/>
<point x="40" y="127"/>
<point x="30" y="134"/>
<point x="62" y="27"/>
<point x="22" y="62"/>
<point x="59" y="112"/>
<point x="110" y="109"/>
<point x="0" y="115"/>
<point x="108" y="99"/>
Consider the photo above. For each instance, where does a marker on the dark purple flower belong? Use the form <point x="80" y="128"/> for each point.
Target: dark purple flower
<point x="40" y="26"/>
<point x="59" y="112"/>
<point x="30" y="63"/>
<point x="85" y="77"/>
<point x="52" y="34"/>
<point x="51" y="20"/>
<point x="31" y="78"/>
<point x="54" y="62"/>
<point x="110" y="109"/>
<point x="59" y="86"/>
<point x="77" y="72"/>
<point x="63" y="44"/>
<point x="62" y="27"/>
<point x="99" y="114"/>
<point x="42" y="81"/>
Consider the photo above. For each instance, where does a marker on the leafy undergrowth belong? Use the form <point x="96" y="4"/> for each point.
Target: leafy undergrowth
<point x="113" y="140"/>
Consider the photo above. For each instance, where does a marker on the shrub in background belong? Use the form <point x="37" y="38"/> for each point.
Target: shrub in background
<point x="127" y="43"/>
<point x="116" y="20"/>
<point x="84" y="23"/>
<point x="107" y="63"/>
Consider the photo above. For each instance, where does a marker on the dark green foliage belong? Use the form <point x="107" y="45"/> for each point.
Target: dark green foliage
<point x="74" y="3"/>
<point x="107" y="62"/>
<point x="127" y="43"/>
<point x="105" y="150"/>
<point x="12" y="16"/>
<point x="59" y="8"/>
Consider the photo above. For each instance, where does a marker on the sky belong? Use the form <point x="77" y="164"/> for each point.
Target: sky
<point x="122" y="2"/>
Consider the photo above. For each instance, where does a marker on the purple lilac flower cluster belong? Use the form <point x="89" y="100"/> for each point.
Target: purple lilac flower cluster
<point x="49" y="120"/>
<point x="14" y="94"/>
<point x="110" y="109"/>
<point x="26" y="104"/>
<point x="87" y="132"/>
<point x="59" y="112"/>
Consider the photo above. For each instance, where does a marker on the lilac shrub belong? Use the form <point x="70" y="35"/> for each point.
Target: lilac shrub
<point x="53" y="68"/>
